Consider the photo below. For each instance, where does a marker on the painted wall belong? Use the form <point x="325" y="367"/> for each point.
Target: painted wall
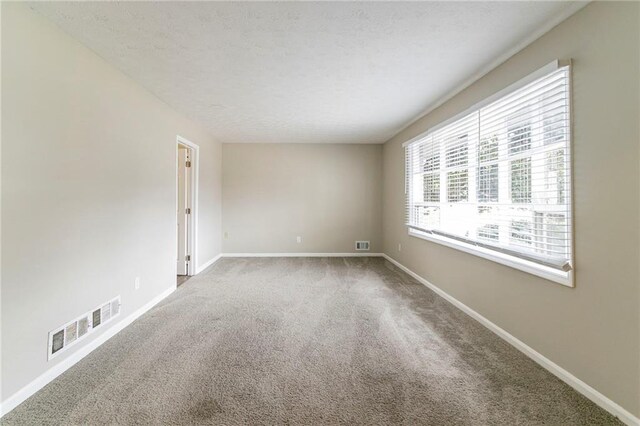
<point x="88" y="190"/>
<point x="593" y="330"/>
<point x="329" y="194"/>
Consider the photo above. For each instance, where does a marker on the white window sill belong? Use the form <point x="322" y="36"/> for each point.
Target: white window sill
<point x="560" y="277"/>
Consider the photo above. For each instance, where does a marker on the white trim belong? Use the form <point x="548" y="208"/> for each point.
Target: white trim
<point x="551" y="274"/>
<point x="209" y="263"/>
<point x="195" y="178"/>
<point x="302" y="255"/>
<point x="56" y="370"/>
<point x="571" y="9"/>
<point x="577" y="384"/>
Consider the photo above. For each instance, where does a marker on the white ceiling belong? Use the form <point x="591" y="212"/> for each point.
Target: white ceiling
<point x="307" y="72"/>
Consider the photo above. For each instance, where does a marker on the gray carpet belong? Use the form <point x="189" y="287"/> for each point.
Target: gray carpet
<point x="306" y="341"/>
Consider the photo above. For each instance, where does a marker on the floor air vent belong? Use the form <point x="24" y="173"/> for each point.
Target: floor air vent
<point x="69" y="334"/>
<point x="362" y="245"/>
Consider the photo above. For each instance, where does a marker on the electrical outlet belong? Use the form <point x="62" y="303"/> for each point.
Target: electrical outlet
<point x="299" y="239"/>
<point x="226" y="235"/>
<point x="399" y="247"/>
<point x="137" y="283"/>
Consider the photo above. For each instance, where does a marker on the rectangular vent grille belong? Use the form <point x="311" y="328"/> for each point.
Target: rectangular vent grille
<point x="362" y="245"/>
<point x="62" y="338"/>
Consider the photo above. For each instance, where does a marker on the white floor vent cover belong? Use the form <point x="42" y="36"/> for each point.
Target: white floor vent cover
<point x="66" y="336"/>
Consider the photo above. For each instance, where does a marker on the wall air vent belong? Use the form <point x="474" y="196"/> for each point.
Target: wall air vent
<point x="362" y="245"/>
<point x="62" y="338"/>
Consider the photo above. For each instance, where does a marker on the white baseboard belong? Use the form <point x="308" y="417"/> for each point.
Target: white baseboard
<point x="207" y="264"/>
<point x="46" y="377"/>
<point x="365" y="254"/>
<point x="580" y="386"/>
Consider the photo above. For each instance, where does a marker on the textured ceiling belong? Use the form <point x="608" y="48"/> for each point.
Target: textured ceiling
<point x="303" y="72"/>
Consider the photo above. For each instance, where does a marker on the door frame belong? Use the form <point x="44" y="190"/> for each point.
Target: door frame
<point x="192" y="219"/>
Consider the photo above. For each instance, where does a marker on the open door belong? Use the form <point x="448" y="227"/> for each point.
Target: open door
<point x="184" y="210"/>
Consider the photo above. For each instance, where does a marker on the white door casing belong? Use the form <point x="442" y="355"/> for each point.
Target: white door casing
<point x="190" y="202"/>
<point x="181" y="212"/>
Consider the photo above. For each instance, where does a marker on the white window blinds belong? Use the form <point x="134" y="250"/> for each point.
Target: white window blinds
<point x="499" y="177"/>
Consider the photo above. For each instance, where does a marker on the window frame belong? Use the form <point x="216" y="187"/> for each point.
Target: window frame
<point x="566" y="278"/>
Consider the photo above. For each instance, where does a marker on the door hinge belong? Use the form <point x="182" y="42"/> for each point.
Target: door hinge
<point x="188" y="211"/>
<point x="187" y="257"/>
<point x="188" y="164"/>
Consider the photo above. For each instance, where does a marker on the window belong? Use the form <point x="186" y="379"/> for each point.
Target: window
<point x="431" y="178"/>
<point x="519" y="138"/>
<point x="489" y="232"/>
<point x="496" y="180"/>
<point x="488" y="179"/>
<point x="520" y="180"/>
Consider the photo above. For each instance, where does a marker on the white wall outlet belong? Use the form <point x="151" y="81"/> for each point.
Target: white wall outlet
<point x="226" y="235"/>
<point x="399" y="247"/>
<point x="137" y="283"/>
<point x="299" y="239"/>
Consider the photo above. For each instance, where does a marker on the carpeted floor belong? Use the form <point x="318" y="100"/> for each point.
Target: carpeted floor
<point x="306" y="341"/>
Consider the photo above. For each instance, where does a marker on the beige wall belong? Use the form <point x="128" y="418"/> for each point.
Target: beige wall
<point x="329" y="194"/>
<point x="88" y="199"/>
<point x="88" y="190"/>
<point x="593" y="330"/>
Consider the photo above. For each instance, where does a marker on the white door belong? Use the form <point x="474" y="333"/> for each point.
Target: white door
<point x="183" y="211"/>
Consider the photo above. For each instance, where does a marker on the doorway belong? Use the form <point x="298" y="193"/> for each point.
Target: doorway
<point x="186" y="208"/>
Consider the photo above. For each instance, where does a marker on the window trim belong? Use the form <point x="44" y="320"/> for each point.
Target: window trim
<point x="534" y="268"/>
<point x="560" y="277"/>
